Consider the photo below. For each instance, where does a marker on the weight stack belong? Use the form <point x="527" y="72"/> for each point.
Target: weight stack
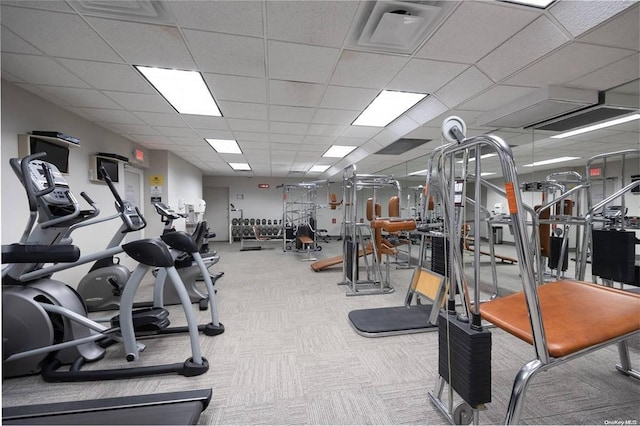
<point x="554" y="255"/>
<point x="440" y="255"/>
<point x="470" y="359"/>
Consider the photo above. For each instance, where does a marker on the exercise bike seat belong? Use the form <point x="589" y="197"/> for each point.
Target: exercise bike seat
<point x="180" y="241"/>
<point x="150" y="252"/>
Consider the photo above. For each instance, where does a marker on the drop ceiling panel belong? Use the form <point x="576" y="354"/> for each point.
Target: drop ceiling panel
<point x="132" y="129"/>
<point x="214" y="134"/>
<point x="323" y="23"/>
<point x="611" y="75"/>
<point x="58" y="6"/>
<point x="237" y="124"/>
<point x="191" y="144"/>
<point x="205" y="122"/>
<point x="325" y="130"/>
<point x="567" y="63"/>
<point x="496" y="96"/>
<point x="184" y="132"/>
<point x="475" y="28"/>
<point x="299" y="62"/>
<point x="161" y="119"/>
<point x="251" y="137"/>
<point x="519" y="51"/>
<point x="58" y="34"/>
<point x="285" y="138"/>
<point x="140" y="102"/>
<point x="113" y="116"/>
<point x="580" y="16"/>
<point x="362" y="69"/>
<point x="426" y="110"/>
<point x="108" y="76"/>
<point x="294" y="114"/>
<point x="232" y="17"/>
<point x="288" y="128"/>
<point x="155" y="45"/>
<point x="360" y="132"/>
<point x="39" y="70"/>
<point x="463" y="87"/>
<point x="291" y="93"/>
<point x="14" y="44"/>
<point x="243" y="110"/>
<point x="334" y="116"/>
<point x="236" y="88"/>
<point x="82" y="112"/>
<point x="620" y="32"/>
<point x="82" y="97"/>
<point x="340" y="97"/>
<point x="227" y="53"/>
<point x="425" y="76"/>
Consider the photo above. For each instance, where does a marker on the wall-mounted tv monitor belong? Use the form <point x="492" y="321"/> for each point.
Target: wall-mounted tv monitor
<point x="111" y="166"/>
<point x="56" y="154"/>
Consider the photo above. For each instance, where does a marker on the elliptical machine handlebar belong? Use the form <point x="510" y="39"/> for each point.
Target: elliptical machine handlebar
<point x="133" y="222"/>
<point x="21" y="169"/>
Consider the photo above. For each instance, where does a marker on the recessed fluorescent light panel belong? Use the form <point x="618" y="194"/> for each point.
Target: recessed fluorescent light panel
<point x="419" y="173"/>
<point x="542" y="4"/>
<point x="338" y="151"/>
<point x="186" y="91"/>
<point x="597" y="126"/>
<point x="487" y="174"/>
<point x="224" y="146"/>
<point x="386" y="107"/>
<point x="550" y="161"/>
<point x="240" y="166"/>
<point x="318" y="169"/>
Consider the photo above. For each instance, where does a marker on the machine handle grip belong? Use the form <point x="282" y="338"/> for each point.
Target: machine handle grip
<point x="94" y="206"/>
<point x="112" y="188"/>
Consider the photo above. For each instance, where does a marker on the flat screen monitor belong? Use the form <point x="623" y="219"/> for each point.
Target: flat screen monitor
<point x="110" y="166"/>
<point x="56" y="154"/>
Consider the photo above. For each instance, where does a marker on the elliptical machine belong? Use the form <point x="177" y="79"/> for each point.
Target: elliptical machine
<point x="44" y="321"/>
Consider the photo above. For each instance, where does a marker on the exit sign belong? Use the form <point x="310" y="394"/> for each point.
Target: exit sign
<point x="263" y="185"/>
<point x="595" y="172"/>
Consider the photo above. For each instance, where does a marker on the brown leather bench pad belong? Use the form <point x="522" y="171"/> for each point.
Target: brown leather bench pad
<point x="575" y="315"/>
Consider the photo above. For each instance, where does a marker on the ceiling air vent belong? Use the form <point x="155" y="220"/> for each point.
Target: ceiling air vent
<point x="543" y="105"/>
<point x="140" y="10"/>
<point x="396" y="26"/>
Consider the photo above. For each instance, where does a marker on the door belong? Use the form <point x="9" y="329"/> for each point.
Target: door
<point x="133" y="179"/>
<point x="217" y="212"/>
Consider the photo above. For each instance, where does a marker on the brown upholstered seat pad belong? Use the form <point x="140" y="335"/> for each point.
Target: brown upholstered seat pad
<point x="394" y="225"/>
<point x="576" y="315"/>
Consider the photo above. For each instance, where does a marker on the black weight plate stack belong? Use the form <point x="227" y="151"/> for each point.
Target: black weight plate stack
<point x="470" y="356"/>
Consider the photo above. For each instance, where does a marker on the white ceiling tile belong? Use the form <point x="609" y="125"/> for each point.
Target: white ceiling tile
<point x="205" y="122"/>
<point x="360" y="132"/>
<point x="566" y="64"/>
<point x="41" y="92"/>
<point x="243" y="110"/>
<point x="300" y="62"/>
<point x="283" y="156"/>
<point x="156" y="140"/>
<point x="108" y="76"/>
<point x="14" y="44"/>
<point x="291" y="114"/>
<point x="155" y="45"/>
<point x="350" y="141"/>
<point x="232" y="17"/>
<point x="315" y="143"/>
<point x="140" y="102"/>
<point x="288" y="128"/>
<point x="6" y="75"/>
<point x="613" y="75"/>
<point x="227" y="53"/>
<point x="334" y="116"/>
<point x="295" y="93"/>
<point x="215" y="134"/>
<point x="237" y="88"/>
<point x="117" y="116"/>
<point x="161" y="119"/>
<point x="425" y="76"/>
<point x="620" y="32"/>
<point x="82" y="97"/>
<point x="402" y="125"/>
<point x="463" y="87"/>
<point x="285" y="138"/>
<point x="325" y="130"/>
<point x="362" y="69"/>
<point x="132" y="129"/>
<point x="520" y="51"/>
<point x="323" y="23"/>
<point x="183" y="132"/>
<point x="580" y="16"/>
<point x="496" y="97"/>
<point x="385" y="137"/>
<point x="54" y="5"/>
<point x="58" y="34"/>
<point x="475" y="29"/>
<point x="353" y="98"/>
<point x="237" y="124"/>
<point x="188" y="141"/>
<point x="82" y="112"/>
<point x="283" y="147"/>
<point x="39" y="70"/>
<point x="428" y="108"/>
<point x="251" y="136"/>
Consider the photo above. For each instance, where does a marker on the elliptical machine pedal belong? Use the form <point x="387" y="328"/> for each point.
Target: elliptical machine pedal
<point x="146" y="320"/>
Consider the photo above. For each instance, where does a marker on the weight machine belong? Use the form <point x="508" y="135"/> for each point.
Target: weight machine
<point x="299" y="204"/>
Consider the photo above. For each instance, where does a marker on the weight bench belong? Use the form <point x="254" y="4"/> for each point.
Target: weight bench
<point x="307" y="241"/>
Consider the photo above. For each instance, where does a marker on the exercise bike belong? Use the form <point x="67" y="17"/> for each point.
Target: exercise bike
<point x="45" y="323"/>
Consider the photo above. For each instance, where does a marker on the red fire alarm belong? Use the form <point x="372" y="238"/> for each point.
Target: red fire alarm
<point x="138" y="154"/>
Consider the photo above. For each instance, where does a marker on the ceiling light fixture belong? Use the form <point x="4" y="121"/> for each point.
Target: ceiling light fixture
<point x="240" y="166"/>
<point x="224" y="146"/>
<point x="318" y="169"/>
<point x="550" y="161"/>
<point x="597" y="126"/>
<point x="386" y="107"/>
<point x="419" y="173"/>
<point x="186" y="91"/>
<point x="338" y="151"/>
<point x="540" y="4"/>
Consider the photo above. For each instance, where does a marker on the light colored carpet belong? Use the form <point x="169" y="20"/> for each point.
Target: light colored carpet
<point x="289" y="356"/>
